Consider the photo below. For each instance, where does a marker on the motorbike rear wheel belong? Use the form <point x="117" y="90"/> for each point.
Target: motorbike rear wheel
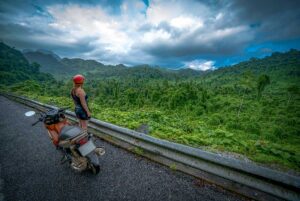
<point x="95" y="169"/>
<point x="93" y="162"/>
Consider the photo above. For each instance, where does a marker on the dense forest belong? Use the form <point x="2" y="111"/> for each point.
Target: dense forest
<point x="250" y="109"/>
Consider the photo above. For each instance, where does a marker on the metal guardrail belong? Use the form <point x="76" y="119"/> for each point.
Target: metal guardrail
<point x="251" y="180"/>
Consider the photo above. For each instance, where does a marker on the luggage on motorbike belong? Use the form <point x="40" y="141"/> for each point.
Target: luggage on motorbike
<point x="69" y="132"/>
<point x="52" y="117"/>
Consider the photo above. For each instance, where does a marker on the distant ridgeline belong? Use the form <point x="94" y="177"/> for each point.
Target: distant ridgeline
<point x="17" y="67"/>
<point x="62" y="68"/>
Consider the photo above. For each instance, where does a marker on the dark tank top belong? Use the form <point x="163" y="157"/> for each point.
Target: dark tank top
<point x="77" y="99"/>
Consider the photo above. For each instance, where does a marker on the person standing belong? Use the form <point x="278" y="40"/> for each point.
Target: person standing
<point x="81" y="101"/>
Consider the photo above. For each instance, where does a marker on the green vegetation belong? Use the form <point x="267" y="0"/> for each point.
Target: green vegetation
<point x="138" y="151"/>
<point x="173" y="167"/>
<point x="15" y="68"/>
<point x="251" y="108"/>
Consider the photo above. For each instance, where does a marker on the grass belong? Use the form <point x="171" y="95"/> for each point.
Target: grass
<point x="173" y="167"/>
<point x="138" y="151"/>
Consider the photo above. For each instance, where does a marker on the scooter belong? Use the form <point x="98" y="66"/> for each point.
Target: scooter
<point x="76" y="144"/>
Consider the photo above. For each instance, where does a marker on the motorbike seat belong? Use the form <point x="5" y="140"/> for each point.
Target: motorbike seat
<point x="69" y="132"/>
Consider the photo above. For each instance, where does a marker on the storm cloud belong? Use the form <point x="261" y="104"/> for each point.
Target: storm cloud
<point x="190" y="33"/>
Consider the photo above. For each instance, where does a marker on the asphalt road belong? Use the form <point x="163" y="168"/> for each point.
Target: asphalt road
<point x="30" y="170"/>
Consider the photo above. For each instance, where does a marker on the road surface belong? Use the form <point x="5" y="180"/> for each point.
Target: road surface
<point x="30" y="170"/>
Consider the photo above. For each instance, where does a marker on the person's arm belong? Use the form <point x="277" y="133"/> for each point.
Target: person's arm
<point x="81" y="95"/>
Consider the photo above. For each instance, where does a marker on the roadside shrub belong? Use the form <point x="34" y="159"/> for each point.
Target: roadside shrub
<point x="279" y="132"/>
<point x="251" y="127"/>
<point x="233" y="125"/>
<point x="216" y="119"/>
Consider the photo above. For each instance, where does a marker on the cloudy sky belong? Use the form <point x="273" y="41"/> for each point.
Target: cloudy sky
<point x="170" y="33"/>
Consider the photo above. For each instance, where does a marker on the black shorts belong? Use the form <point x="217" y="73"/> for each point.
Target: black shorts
<point x="80" y="113"/>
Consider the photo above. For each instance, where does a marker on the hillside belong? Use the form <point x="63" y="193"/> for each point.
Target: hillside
<point x="15" y="68"/>
<point x="48" y="61"/>
<point x="144" y="72"/>
<point x="281" y="67"/>
<point x="82" y="65"/>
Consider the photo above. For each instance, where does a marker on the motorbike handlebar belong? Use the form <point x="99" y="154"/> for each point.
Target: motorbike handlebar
<point x="43" y="115"/>
<point x="35" y="122"/>
<point x="40" y="119"/>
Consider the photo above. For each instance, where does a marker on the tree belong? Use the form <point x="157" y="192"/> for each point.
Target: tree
<point x="262" y="82"/>
<point x="35" y="67"/>
<point x="293" y="90"/>
<point x="247" y="85"/>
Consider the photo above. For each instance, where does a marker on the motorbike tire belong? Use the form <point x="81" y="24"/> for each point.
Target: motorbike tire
<point x="95" y="169"/>
<point x="94" y="163"/>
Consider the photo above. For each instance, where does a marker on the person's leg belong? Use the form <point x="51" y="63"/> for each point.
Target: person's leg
<point x="83" y="124"/>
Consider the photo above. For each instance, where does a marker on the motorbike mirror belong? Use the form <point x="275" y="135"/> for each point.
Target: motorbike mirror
<point x="29" y="113"/>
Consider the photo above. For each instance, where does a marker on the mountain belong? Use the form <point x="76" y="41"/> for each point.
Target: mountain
<point x="49" y="52"/>
<point x="82" y="64"/>
<point x="43" y="52"/>
<point x="66" y="67"/>
<point x="145" y="72"/>
<point x="48" y="61"/>
<point x="279" y="66"/>
<point x="62" y="68"/>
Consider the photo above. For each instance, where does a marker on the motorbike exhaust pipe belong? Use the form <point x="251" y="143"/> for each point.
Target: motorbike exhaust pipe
<point x="99" y="151"/>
